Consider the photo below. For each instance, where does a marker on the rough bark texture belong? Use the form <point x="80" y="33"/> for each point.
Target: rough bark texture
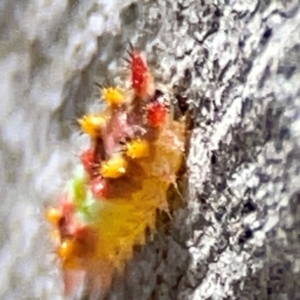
<point x="239" y="63"/>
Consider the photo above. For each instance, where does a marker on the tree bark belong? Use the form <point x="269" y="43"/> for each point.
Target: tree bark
<point x="237" y="62"/>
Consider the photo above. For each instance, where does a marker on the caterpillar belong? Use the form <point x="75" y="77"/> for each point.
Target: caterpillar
<point x="122" y="179"/>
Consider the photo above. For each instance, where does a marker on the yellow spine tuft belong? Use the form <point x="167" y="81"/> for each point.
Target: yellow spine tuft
<point x="113" y="96"/>
<point x="53" y="215"/>
<point x="115" y="167"/>
<point x="67" y="252"/>
<point x="92" y="124"/>
<point x="138" y="149"/>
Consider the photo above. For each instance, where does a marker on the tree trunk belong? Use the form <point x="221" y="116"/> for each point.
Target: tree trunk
<point x="237" y="62"/>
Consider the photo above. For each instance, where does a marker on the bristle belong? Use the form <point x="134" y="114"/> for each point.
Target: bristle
<point x="97" y="84"/>
<point x="131" y="46"/>
<point x="130" y="53"/>
<point x="127" y="60"/>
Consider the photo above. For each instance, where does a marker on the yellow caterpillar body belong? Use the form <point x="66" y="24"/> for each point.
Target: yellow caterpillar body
<point x="135" y="153"/>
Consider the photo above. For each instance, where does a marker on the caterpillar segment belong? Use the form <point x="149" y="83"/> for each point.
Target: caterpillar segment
<point x="141" y="78"/>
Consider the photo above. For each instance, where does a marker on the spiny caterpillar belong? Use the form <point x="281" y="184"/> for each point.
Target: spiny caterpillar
<point x="136" y="150"/>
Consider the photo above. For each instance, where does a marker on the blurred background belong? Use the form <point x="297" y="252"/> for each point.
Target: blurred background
<point x="51" y="52"/>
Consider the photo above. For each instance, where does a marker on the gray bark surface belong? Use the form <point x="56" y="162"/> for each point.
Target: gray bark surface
<point x="239" y="63"/>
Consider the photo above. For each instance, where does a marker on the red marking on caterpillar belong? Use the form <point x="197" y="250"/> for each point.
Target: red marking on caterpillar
<point x="156" y="114"/>
<point x="100" y="187"/>
<point x="88" y="160"/>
